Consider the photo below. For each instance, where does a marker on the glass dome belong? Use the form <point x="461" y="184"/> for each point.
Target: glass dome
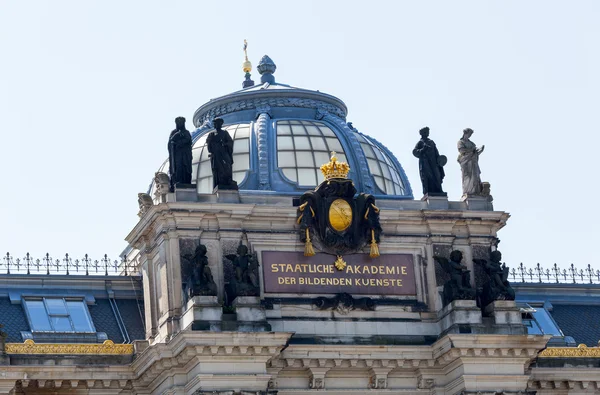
<point x="282" y="135"/>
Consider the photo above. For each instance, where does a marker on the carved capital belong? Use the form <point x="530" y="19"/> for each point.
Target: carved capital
<point x="266" y="109"/>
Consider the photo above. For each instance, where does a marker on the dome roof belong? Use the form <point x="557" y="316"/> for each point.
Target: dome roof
<point x="283" y="134"/>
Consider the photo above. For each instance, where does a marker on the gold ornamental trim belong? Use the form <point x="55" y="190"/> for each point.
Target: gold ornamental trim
<point x="581" y="351"/>
<point x="106" y="348"/>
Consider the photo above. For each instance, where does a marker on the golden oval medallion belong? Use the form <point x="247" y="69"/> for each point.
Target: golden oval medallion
<point x="340" y="215"/>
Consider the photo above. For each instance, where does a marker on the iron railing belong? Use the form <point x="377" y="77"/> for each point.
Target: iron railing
<point x="554" y="274"/>
<point x="67" y="266"/>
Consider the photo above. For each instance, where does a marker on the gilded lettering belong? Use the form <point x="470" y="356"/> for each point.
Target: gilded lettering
<point x="274" y="268"/>
<point x="404" y="270"/>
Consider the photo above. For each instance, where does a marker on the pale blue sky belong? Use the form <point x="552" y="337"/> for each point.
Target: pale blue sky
<point x="89" y="91"/>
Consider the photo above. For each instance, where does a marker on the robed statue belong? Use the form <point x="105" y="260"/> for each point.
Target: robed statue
<point x="459" y="285"/>
<point x="468" y="157"/>
<point x="245" y="281"/>
<point x="496" y="287"/>
<point x="431" y="164"/>
<point x="220" y="147"/>
<point x="200" y="280"/>
<point x="180" y="154"/>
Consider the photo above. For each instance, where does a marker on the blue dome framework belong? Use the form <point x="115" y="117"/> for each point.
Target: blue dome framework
<point x="282" y="135"/>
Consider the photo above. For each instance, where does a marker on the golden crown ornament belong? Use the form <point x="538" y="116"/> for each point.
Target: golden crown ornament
<point x="335" y="169"/>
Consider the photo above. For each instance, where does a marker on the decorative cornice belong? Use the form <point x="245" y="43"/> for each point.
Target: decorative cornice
<point x="213" y="110"/>
<point x="581" y="351"/>
<point x="108" y="347"/>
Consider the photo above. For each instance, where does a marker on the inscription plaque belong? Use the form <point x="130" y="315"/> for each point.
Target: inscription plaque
<point x="292" y="272"/>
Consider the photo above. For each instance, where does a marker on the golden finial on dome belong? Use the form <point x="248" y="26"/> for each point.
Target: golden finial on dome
<point x="246" y="66"/>
<point x="335" y="169"/>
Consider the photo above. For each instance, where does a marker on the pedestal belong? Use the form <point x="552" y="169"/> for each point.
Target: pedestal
<point x="436" y="201"/>
<point x="461" y="316"/>
<point x="477" y="203"/>
<point x="250" y="314"/>
<point x="185" y="193"/>
<point x="202" y="313"/>
<point x="227" y="195"/>
<point x="506" y="317"/>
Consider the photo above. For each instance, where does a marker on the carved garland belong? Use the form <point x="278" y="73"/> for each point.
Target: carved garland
<point x="30" y="347"/>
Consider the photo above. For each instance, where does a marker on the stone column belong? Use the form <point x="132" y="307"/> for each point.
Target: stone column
<point x="148" y="279"/>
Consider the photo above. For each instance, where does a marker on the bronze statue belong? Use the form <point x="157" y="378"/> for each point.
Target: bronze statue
<point x="246" y="281"/>
<point x="431" y="164"/>
<point x="459" y="285"/>
<point x="497" y="286"/>
<point x="180" y="154"/>
<point x="201" y="280"/>
<point x="220" y="146"/>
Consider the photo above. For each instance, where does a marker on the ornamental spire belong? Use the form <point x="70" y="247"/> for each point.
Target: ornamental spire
<point x="247" y="68"/>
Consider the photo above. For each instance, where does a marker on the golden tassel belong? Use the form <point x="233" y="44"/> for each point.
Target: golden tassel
<point x="308" y="248"/>
<point x="374" y="248"/>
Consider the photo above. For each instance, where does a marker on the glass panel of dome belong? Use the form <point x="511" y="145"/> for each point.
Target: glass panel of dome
<point x="326" y="131"/>
<point x="320" y="177"/>
<point x="205" y="185"/>
<point x="196" y="155"/>
<point x="307" y="177"/>
<point x="318" y="143"/>
<point x="302" y="143"/>
<point x="307" y="150"/>
<point x="321" y="158"/>
<point x="238" y="176"/>
<point x="313" y="130"/>
<point x="298" y="129"/>
<point x="341" y="157"/>
<point x="379" y="155"/>
<point x="386" y="172"/>
<point x="368" y="150"/>
<point x="241" y="162"/>
<point x="286" y="159"/>
<point x="374" y="167"/>
<point x="285" y="143"/>
<point x="304" y="159"/>
<point x="241" y="145"/>
<point x="290" y="174"/>
<point x="200" y="142"/>
<point x="205" y="170"/>
<point x="389" y="186"/>
<point x="380" y="183"/>
<point x="334" y="144"/>
<point x="283" y="129"/>
<point x="242" y="132"/>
